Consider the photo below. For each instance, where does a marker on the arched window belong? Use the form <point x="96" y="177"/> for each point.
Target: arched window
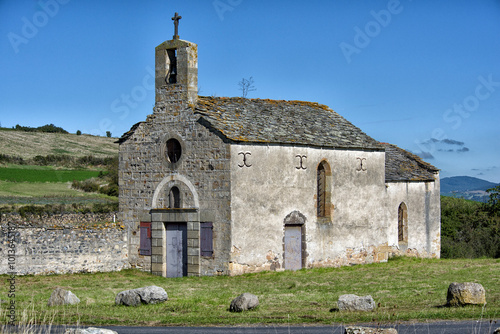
<point x="402" y="224"/>
<point x="323" y="196"/>
<point x="174" y="198"/>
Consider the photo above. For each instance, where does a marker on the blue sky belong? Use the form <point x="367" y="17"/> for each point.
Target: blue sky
<point x="424" y="75"/>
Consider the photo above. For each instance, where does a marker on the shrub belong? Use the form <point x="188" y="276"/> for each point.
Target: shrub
<point x="12" y="159"/>
<point x="104" y="207"/>
<point x="89" y="186"/>
<point x="44" y="128"/>
<point x="31" y="209"/>
<point x="110" y="190"/>
<point x="52" y="159"/>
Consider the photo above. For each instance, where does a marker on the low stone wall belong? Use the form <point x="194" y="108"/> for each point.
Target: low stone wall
<point x="60" y="244"/>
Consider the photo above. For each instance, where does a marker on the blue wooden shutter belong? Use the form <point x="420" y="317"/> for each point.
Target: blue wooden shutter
<point x="206" y="239"/>
<point x="145" y="234"/>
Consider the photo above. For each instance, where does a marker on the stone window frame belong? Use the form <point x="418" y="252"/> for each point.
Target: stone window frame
<point x="403" y="224"/>
<point x="163" y="150"/>
<point x="323" y="198"/>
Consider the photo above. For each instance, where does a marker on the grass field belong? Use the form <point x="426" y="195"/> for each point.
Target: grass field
<point x="404" y="288"/>
<point x="46" y="193"/>
<point x="47" y="174"/>
<point x="42" y="184"/>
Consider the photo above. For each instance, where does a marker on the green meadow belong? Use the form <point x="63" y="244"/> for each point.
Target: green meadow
<point x="30" y="184"/>
<point x="404" y="289"/>
<point x="44" y="174"/>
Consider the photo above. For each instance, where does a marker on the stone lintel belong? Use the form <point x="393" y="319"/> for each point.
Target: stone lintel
<point x="175" y="215"/>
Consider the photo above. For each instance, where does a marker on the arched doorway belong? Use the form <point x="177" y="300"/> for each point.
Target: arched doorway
<point x="294" y="241"/>
<point x="175" y="223"/>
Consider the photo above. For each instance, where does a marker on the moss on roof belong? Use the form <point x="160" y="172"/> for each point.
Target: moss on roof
<point x="281" y="122"/>
<point x="401" y="165"/>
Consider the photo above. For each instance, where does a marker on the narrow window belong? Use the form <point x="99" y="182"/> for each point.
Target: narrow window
<point x="145" y="238"/>
<point x="174" y="198"/>
<point x="402" y="223"/>
<point x="321" y="196"/>
<point x="206" y="239"/>
<point x="324" y="186"/>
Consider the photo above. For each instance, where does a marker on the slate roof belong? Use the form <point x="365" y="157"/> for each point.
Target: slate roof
<point x="299" y="123"/>
<point x="401" y="165"/>
<point x="129" y="133"/>
<point x="281" y="122"/>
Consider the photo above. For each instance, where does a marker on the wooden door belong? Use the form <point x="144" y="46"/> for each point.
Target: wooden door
<point x="293" y="248"/>
<point x="176" y="249"/>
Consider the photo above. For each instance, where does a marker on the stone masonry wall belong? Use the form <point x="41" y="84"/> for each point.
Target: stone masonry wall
<point x="54" y="247"/>
<point x="204" y="162"/>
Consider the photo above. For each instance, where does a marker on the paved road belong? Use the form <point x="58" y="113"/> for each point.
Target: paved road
<point x="440" y="327"/>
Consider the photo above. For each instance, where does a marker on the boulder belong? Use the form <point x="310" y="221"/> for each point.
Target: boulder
<point x="352" y="302"/>
<point x="90" y="330"/>
<point x="147" y="295"/>
<point x="460" y="294"/>
<point x="244" y="302"/>
<point x="62" y="297"/>
<point x="369" y="330"/>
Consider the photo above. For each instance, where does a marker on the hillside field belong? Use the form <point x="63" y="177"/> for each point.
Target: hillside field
<point x="27" y="182"/>
<point x="30" y="144"/>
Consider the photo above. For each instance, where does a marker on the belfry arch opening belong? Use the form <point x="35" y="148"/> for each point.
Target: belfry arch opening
<point x="171" y="59"/>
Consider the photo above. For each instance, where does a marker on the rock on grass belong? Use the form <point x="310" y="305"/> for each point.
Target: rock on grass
<point x="147" y="295"/>
<point x="244" y="302"/>
<point x="460" y="294"/>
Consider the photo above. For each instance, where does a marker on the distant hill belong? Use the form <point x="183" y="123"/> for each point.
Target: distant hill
<point x="30" y="144"/>
<point x="466" y="187"/>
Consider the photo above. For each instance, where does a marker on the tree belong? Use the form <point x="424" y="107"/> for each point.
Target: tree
<point x="246" y="85"/>
<point x="494" y="200"/>
<point x="78" y="132"/>
<point x="108" y="134"/>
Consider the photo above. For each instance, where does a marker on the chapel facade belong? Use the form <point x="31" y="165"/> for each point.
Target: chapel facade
<point x="226" y="186"/>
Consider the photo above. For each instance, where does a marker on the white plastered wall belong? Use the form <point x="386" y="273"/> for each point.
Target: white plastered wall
<point x="424" y="215"/>
<point x="263" y="194"/>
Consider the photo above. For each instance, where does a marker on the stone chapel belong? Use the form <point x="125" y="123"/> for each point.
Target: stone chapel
<point x="226" y="186"/>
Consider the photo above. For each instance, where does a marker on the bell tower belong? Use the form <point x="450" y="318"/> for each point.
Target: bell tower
<point x="176" y="67"/>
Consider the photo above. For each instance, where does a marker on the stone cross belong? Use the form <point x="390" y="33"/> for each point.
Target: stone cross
<point x="176" y="19"/>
